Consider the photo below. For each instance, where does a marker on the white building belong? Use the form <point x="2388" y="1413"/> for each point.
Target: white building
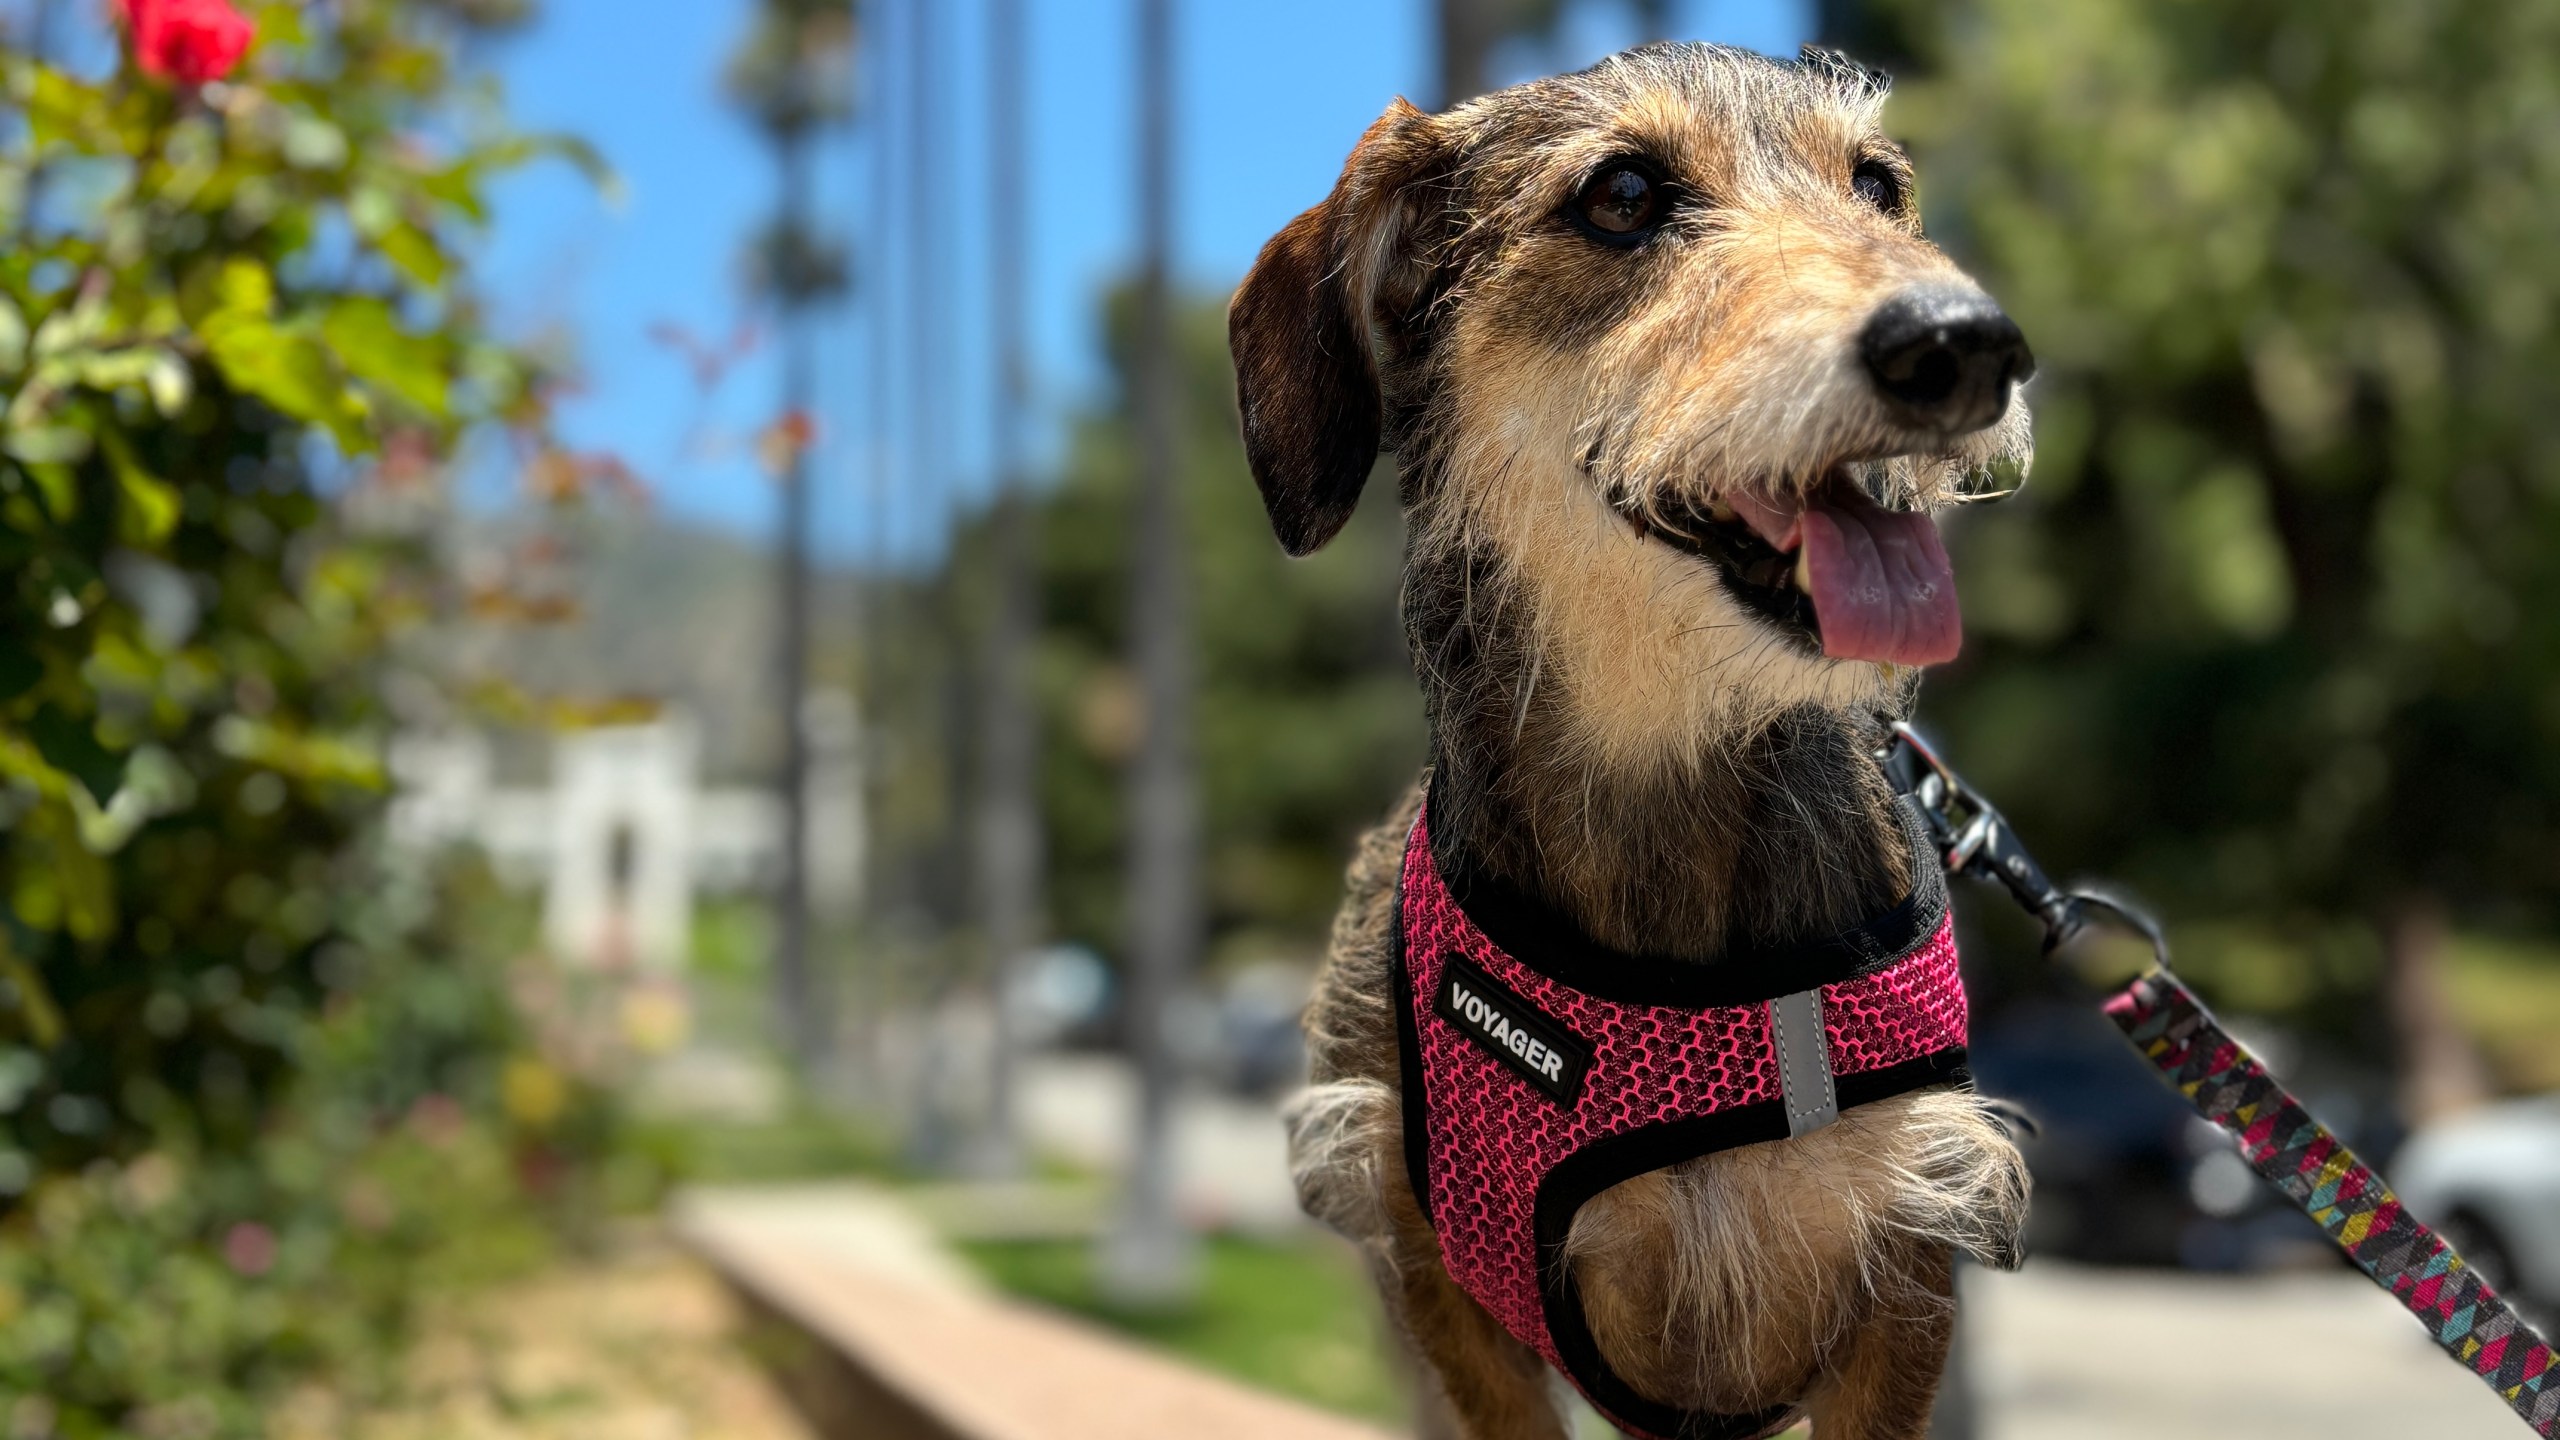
<point x="625" y="835"/>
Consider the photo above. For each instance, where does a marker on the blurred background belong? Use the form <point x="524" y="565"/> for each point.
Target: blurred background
<point x="638" y="668"/>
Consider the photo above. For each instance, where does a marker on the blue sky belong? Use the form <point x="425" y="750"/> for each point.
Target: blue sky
<point x="1271" y="96"/>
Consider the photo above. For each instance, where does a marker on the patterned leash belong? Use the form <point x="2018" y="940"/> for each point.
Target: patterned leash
<point x="2297" y="1155"/>
<point x="2289" y="1149"/>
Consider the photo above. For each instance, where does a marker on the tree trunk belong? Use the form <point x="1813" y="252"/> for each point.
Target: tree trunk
<point x="1469" y="29"/>
<point x="1868" y="32"/>
<point x="1147" y="1258"/>
<point x="869" y="978"/>
<point x="1009" y="817"/>
<point x="797" y="1018"/>
<point x="2440" y="1070"/>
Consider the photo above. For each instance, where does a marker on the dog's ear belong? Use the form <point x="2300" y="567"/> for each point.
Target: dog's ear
<point x="1303" y="330"/>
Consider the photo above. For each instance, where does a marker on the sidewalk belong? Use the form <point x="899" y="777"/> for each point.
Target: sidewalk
<point x="1231" y="1156"/>
<point x="921" y="1352"/>
<point x="2066" y="1351"/>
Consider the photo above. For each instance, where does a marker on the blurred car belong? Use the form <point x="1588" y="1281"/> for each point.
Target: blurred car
<point x="2490" y="1181"/>
<point x="2126" y="1172"/>
<point x="2108" y="1154"/>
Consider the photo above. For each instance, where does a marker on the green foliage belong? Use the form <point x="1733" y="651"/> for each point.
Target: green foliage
<point x="2270" y="632"/>
<point x="253" y="1090"/>
<point x="2508" y="995"/>
<point x="215" y="307"/>
<point x="803" y="1142"/>
<point x="181" y="1289"/>
<point x="794" y="70"/>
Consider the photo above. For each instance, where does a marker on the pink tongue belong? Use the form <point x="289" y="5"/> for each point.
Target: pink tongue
<point x="1882" y="586"/>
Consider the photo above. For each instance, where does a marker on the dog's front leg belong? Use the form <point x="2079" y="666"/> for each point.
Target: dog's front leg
<point x="1885" y="1381"/>
<point x="1491" y="1386"/>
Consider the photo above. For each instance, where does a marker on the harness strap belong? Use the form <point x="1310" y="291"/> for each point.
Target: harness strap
<point x="2227" y="1085"/>
<point x="1540" y="1068"/>
<point x="1804" y="1062"/>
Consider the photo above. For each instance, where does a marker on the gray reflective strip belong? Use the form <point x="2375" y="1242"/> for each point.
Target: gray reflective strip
<point x="1804" y="1061"/>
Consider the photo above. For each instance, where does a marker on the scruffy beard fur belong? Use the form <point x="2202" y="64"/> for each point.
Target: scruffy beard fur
<point x="1612" y="732"/>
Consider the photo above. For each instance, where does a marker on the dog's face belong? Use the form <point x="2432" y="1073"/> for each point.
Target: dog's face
<point x="1673" y="355"/>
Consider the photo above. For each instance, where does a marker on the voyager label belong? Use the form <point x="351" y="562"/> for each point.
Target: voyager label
<point x="1517" y="1033"/>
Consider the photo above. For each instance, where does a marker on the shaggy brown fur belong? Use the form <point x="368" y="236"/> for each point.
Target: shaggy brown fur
<point x="1613" y="732"/>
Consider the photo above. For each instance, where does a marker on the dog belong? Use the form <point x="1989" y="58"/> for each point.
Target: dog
<point x="1657" y="347"/>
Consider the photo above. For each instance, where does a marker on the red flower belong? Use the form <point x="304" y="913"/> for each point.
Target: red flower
<point x="190" y="41"/>
<point x="250" y="1248"/>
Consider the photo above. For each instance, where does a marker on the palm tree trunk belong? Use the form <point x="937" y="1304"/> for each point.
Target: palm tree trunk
<point x="797" y="1018"/>
<point x="1469" y="29"/>
<point x="1009" y="819"/>
<point x="872" y="592"/>
<point x="1148" y="1258"/>
<point x="923" y="883"/>
<point x="1871" y="33"/>
<point x="2440" y="1070"/>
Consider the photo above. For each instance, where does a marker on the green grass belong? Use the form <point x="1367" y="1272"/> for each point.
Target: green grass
<point x="2506" y="992"/>
<point x="1297" y="1318"/>
<point x="802" y="1143"/>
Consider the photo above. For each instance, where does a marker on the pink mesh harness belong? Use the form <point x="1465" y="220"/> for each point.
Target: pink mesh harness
<point x="1541" y="1068"/>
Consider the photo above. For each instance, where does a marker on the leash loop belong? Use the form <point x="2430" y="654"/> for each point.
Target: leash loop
<point x="2093" y="900"/>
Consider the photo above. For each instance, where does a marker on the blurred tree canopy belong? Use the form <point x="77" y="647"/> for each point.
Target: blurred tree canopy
<point x="2271" y="632"/>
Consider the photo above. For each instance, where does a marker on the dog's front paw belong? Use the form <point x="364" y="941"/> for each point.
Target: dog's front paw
<point x="1338" y="1132"/>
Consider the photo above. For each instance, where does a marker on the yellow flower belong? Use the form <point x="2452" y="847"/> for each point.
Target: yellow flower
<point x="533" y="1092"/>
<point x="655" y="1019"/>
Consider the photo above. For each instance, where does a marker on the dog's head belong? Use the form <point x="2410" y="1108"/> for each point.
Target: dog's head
<point x="1666" y="354"/>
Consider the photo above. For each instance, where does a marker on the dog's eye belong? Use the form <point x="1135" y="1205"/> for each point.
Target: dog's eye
<point x="1622" y="204"/>
<point x="1876" y="185"/>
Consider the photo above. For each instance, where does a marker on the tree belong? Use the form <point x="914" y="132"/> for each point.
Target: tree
<point x="1472" y="30"/>
<point x="792" y="77"/>
<point x="2269" y="632"/>
<point x="1008" y="774"/>
<point x="1307" y="721"/>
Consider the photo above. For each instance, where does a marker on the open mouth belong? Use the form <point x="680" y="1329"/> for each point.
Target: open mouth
<point x="1854" y="580"/>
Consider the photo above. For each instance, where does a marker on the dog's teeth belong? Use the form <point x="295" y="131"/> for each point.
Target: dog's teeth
<point x="1803" y="573"/>
<point x="1721" y="513"/>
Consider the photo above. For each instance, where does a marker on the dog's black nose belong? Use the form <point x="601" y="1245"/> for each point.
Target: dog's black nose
<point x="1945" y="357"/>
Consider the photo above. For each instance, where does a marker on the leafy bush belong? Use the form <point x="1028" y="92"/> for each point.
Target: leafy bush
<point x="225" y="303"/>
<point x="253" y="1085"/>
<point x="180" y="1290"/>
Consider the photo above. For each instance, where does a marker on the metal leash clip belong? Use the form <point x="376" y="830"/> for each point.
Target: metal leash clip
<point x="1973" y="838"/>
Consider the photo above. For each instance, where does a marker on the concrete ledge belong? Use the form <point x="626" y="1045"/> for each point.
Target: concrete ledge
<point x="918" y="1351"/>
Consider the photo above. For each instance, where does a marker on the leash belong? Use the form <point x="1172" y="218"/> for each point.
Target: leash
<point x="2227" y="1085"/>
